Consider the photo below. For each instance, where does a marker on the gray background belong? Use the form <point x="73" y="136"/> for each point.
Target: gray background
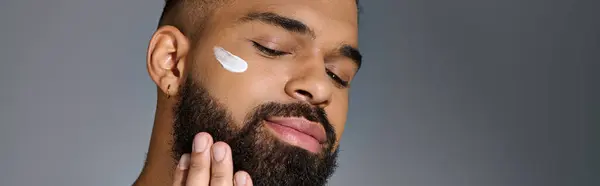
<point x="457" y="93"/>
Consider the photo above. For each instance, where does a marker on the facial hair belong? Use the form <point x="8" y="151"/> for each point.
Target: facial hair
<point x="269" y="161"/>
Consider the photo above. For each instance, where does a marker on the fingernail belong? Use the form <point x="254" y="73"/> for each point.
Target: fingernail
<point x="200" y="143"/>
<point x="184" y="162"/>
<point x="219" y="152"/>
<point x="240" y="179"/>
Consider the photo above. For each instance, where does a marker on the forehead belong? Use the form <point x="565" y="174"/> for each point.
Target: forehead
<point x="323" y="16"/>
<point x="338" y="10"/>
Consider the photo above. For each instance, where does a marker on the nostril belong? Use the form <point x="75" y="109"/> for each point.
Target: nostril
<point x="304" y="93"/>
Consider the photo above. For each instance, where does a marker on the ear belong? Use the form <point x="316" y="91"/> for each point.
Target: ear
<point x="165" y="60"/>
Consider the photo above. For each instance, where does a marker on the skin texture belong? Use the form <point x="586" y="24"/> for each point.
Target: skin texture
<point x="300" y="76"/>
<point x="254" y="148"/>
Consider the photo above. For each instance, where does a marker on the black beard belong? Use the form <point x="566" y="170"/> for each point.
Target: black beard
<point x="269" y="161"/>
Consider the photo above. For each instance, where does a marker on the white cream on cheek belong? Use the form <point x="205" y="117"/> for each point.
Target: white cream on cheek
<point x="229" y="61"/>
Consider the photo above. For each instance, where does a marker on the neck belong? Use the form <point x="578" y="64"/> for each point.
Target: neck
<point x="159" y="164"/>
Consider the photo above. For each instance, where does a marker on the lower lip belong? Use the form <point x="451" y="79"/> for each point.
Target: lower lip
<point x="294" y="137"/>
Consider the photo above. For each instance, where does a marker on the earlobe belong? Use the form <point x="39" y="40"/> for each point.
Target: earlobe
<point x="165" y="59"/>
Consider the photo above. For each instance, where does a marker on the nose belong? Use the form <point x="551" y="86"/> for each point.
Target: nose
<point x="311" y="86"/>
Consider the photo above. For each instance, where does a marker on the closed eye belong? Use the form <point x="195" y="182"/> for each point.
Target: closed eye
<point x="338" y="81"/>
<point x="267" y="51"/>
<point x="276" y="53"/>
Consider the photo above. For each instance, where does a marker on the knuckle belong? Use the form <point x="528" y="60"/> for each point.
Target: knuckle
<point x="197" y="165"/>
<point x="217" y="175"/>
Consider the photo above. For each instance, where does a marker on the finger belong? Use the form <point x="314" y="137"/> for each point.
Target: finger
<point x="249" y="181"/>
<point x="242" y="178"/>
<point x="181" y="170"/>
<point x="199" y="171"/>
<point x="222" y="166"/>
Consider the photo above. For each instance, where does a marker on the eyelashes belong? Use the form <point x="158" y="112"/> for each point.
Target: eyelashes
<point x="271" y="53"/>
<point x="339" y="81"/>
<point x="267" y="51"/>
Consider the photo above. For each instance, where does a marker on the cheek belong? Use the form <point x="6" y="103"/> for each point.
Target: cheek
<point x="337" y="113"/>
<point x="240" y="93"/>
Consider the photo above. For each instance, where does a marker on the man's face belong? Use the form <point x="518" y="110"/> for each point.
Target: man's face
<point x="283" y="116"/>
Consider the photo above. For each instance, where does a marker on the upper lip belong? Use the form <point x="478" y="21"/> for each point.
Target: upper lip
<point x="302" y="125"/>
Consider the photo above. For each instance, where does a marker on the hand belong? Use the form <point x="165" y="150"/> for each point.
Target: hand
<point x="209" y="164"/>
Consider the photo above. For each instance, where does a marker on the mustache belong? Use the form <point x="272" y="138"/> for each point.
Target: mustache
<point x="307" y="111"/>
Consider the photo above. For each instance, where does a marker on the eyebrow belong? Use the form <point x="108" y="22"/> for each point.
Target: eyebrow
<point x="352" y="53"/>
<point x="274" y="19"/>
<point x="296" y="26"/>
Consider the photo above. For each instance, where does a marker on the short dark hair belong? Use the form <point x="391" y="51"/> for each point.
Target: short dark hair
<point x="189" y="16"/>
<point x="192" y="22"/>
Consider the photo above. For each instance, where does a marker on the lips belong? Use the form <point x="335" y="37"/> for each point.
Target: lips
<point x="299" y="131"/>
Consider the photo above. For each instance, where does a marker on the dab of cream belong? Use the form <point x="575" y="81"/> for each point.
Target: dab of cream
<point x="229" y="61"/>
